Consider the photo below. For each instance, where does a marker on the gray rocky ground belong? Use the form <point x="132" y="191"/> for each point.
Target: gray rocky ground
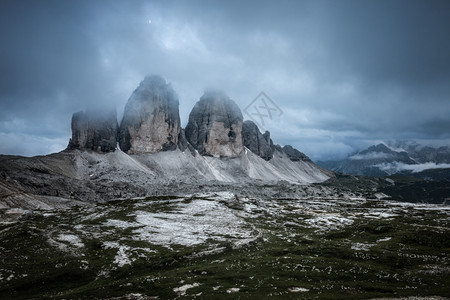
<point x="72" y="176"/>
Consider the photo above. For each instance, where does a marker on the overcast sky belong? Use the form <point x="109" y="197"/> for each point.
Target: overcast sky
<point x="346" y="74"/>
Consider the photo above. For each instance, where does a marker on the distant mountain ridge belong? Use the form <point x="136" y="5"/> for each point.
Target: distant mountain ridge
<point x="392" y="158"/>
<point x="421" y="153"/>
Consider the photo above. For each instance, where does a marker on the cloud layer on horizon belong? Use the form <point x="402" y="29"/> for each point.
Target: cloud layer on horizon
<point x="345" y="73"/>
<point x="396" y="167"/>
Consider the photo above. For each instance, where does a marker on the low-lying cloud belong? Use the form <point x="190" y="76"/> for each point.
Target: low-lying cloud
<point x="371" y="155"/>
<point x="396" y="167"/>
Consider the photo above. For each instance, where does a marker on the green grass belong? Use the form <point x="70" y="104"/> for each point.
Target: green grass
<point x="414" y="261"/>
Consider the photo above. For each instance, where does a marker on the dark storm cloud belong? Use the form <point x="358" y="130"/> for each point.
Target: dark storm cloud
<point x="346" y="73"/>
<point x="391" y="40"/>
<point x="47" y="64"/>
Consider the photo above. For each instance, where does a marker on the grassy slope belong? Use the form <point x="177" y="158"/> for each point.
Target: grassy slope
<point x="403" y="253"/>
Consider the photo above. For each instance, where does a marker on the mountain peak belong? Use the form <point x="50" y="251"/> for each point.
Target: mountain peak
<point x="94" y="130"/>
<point x="215" y="94"/>
<point x="151" y="123"/>
<point x="215" y="126"/>
<point x="378" y="148"/>
<point x="152" y="81"/>
<point x="255" y="141"/>
<point x="151" y="120"/>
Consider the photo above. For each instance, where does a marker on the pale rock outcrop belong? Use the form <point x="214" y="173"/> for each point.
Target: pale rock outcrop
<point x="94" y="130"/>
<point x="215" y="126"/>
<point x="151" y="120"/>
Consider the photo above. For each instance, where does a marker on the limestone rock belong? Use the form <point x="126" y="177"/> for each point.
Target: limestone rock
<point x="94" y="130"/>
<point x="215" y="126"/>
<point x="277" y="147"/>
<point x="258" y="143"/>
<point x="266" y="136"/>
<point x="183" y="143"/>
<point x="151" y="120"/>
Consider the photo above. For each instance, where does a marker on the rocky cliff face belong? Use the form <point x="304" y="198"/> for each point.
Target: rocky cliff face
<point x="94" y="130"/>
<point x="183" y="143"/>
<point x="151" y="120"/>
<point x="215" y="126"/>
<point x="151" y="123"/>
<point x="258" y="143"/>
<point x="294" y="154"/>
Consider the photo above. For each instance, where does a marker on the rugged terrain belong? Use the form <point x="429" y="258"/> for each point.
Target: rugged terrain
<point x="72" y="176"/>
<point x="211" y="245"/>
<point x="216" y="209"/>
<point x="151" y="154"/>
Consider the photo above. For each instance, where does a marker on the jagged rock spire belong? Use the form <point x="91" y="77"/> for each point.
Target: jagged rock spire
<point x="151" y="123"/>
<point x="94" y="130"/>
<point x="255" y="141"/>
<point x="151" y="120"/>
<point x="215" y="126"/>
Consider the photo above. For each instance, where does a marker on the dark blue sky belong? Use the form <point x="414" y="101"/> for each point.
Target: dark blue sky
<point x="346" y="74"/>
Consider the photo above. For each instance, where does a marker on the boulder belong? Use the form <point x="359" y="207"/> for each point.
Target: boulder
<point x="151" y="120"/>
<point x="215" y="126"/>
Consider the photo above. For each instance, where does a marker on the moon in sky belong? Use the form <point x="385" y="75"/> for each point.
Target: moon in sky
<point x="149" y="21"/>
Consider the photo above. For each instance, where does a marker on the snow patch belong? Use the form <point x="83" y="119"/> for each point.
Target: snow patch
<point x="326" y="222"/>
<point x="71" y="239"/>
<point x="390" y="181"/>
<point x="381" y="196"/>
<point x="384" y="239"/>
<point x="122" y="257"/>
<point x="297" y="290"/>
<point x="233" y="290"/>
<point x="182" y="289"/>
<point x="120" y="224"/>
<point x="193" y="223"/>
<point x="361" y="246"/>
<point x="379" y="214"/>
